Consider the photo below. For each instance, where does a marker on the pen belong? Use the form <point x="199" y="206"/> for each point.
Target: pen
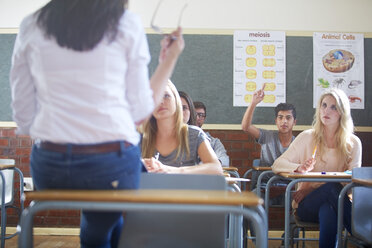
<point x="157" y="156"/>
<point x="314" y="152"/>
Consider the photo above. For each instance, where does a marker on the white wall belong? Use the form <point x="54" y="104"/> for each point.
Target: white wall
<point x="12" y="11"/>
<point x="287" y="15"/>
<point x="295" y="15"/>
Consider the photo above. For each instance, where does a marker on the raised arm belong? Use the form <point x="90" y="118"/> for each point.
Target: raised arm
<point x="170" y="51"/>
<point x="248" y="115"/>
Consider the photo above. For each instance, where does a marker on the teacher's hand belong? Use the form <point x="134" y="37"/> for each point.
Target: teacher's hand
<point x="172" y="45"/>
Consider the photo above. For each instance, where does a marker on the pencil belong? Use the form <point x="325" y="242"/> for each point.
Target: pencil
<point x="314" y="152"/>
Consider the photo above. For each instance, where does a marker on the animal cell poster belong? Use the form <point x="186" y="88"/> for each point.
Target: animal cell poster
<point x="339" y="63"/>
<point x="259" y="58"/>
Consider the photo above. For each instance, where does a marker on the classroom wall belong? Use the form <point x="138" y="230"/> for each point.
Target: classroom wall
<point x="206" y="16"/>
<point x="294" y="15"/>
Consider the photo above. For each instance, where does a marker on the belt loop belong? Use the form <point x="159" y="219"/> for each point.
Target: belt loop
<point x="122" y="147"/>
<point x="37" y="143"/>
<point x="69" y="149"/>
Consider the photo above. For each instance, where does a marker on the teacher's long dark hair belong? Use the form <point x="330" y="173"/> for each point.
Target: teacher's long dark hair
<point x="81" y="24"/>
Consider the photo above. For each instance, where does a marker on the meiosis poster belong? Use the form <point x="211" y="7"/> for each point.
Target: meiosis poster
<point x="259" y="57"/>
<point x="339" y="63"/>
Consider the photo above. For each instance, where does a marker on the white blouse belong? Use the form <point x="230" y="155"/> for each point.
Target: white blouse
<point x="66" y="96"/>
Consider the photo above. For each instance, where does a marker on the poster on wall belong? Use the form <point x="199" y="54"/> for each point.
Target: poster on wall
<point x="259" y="58"/>
<point x="339" y="63"/>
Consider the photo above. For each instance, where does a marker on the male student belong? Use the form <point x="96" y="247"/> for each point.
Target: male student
<point x="273" y="142"/>
<point x="219" y="149"/>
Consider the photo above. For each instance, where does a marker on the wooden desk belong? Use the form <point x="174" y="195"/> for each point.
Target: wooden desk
<point x="364" y="182"/>
<point x="205" y="201"/>
<point x="306" y="177"/>
<point x="332" y="175"/>
<point x="6" y="166"/>
<point x="262" y="168"/>
<point x="208" y="197"/>
<point x="233" y="171"/>
<point x="231" y="168"/>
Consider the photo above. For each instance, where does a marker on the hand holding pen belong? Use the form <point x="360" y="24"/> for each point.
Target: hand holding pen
<point x="153" y="165"/>
<point x="172" y="45"/>
<point x="308" y="165"/>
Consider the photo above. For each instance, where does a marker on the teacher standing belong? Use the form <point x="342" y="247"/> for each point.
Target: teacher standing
<point x="79" y="82"/>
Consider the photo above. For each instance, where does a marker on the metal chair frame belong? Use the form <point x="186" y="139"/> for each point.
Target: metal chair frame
<point x="9" y="204"/>
<point x="288" y="204"/>
<point x="340" y="224"/>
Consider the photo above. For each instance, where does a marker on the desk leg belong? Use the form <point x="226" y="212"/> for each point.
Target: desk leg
<point x="259" y="220"/>
<point x="259" y="181"/>
<point x="25" y="239"/>
<point x="267" y="193"/>
<point x="340" y="212"/>
<point x="3" y="209"/>
<point x="287" y="208"/>
<point x="236" y="230"/>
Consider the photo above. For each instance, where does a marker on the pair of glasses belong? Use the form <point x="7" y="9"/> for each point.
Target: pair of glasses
<point x="201" y="115"/>
<point x="160" y="30"/>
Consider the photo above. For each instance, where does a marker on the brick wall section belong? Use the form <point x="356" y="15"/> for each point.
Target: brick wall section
<point x="18" y="147"/>
<point x="241" y="148"/>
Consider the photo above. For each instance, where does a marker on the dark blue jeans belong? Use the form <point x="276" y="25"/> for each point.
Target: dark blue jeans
<point x="321" y="206"/>
<point x="115" y="170"/>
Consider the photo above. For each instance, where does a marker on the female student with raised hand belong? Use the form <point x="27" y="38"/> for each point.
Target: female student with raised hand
<point x="79" y="82"/>
<point x="329" y="146"/>
<point x="171" y="146"/>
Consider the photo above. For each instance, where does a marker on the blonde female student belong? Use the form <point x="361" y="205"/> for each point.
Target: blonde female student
<point x="171" y="146"/>
<point x="329" y="146"/>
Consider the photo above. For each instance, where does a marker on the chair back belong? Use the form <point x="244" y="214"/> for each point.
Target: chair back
<point x="256" y="162"/>
<point x="362" y="206"/>
<point x="9" y="178"/>
<point x="158" y="229"/>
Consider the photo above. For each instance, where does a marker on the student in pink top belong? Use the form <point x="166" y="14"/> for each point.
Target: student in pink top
<point x="337" y="149"/>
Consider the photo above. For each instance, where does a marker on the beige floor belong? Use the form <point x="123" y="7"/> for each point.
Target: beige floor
<point x="73" y="242"/>
<point x="50" y="238"/>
